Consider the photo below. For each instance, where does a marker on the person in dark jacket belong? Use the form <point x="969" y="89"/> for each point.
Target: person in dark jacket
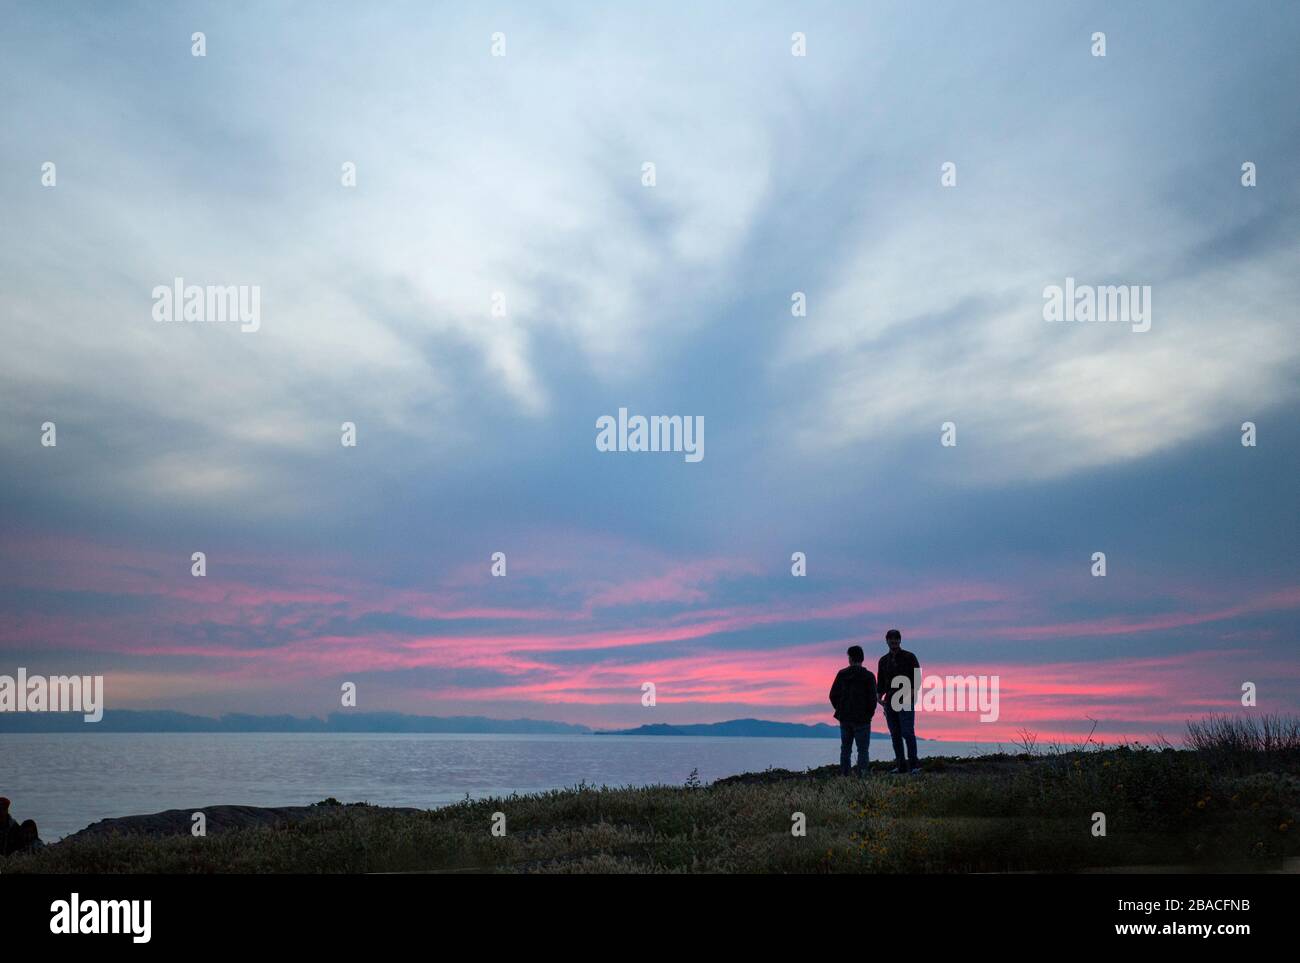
<point x="8" y="828"/>
<point x="27" y="837"/>
<point x="854" y="697"/>
<point x="899" y="700"/>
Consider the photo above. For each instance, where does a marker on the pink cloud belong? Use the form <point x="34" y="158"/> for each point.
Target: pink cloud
<point x="298" y="619"/>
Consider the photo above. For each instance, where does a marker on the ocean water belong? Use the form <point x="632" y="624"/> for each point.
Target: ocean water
<point x="65" y="781"/>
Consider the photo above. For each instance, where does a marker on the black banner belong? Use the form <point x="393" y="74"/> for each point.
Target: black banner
<point x="331" y="912"/>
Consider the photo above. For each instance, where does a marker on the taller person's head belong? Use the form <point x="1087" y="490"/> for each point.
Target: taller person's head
<point x="894" y="639"/>
<point x="856" y="655"/>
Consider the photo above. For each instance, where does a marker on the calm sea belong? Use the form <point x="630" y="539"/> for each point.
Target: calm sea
<point x="66" y="781"/>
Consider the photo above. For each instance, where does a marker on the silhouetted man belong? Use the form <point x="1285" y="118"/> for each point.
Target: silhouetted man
<point x="854" y="697"/>
<point x="8" y="828"/>
<point x="899" y="664"/>
<point x="28" y="837"/>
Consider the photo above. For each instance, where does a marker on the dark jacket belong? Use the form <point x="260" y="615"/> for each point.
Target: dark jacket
<point x="8" y="834"/>
<point x="854" y="695"/>
<point x="890" y="667"/>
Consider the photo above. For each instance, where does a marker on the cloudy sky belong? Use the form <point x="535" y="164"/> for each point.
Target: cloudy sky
<point x="522" y="176"/>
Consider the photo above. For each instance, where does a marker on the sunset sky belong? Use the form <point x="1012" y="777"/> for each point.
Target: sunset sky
<point x="522" y="175"/>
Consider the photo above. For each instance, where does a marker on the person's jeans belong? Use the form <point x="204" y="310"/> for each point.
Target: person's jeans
<point x="851" y="732"/>
<point x="902" y="728"/>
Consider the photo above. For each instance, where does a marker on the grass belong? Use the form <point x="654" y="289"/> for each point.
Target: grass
<point x="1227" y="803"/>
<point x="1235" y="737"/>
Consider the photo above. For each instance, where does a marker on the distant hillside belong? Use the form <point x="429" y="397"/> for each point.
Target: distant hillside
<point x="130" y="720"/>
<point x="740" y="727"/>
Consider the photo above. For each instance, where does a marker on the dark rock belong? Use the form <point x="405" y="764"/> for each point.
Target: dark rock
<point x="178" y="822"/>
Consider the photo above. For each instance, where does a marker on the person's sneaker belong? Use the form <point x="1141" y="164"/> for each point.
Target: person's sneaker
<point x="914" y="771"/>
<point x="896" y="771"/>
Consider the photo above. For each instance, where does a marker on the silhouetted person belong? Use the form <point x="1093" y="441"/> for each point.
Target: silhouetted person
<point x="8" y="828"/>
<point x="854" y="697"/>
<point x="898" y="663"/>
<point x="27" y="837"/>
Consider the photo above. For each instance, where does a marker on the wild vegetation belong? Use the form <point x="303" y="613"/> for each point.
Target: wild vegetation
<point x="1229" y="801"/>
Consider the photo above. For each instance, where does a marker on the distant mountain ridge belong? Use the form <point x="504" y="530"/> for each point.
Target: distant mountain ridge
<point x="751" y="728"/>
<point x="134" y="720"/>
<point x="166" y="720"/>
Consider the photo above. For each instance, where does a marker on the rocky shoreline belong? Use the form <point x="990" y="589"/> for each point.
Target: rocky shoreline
<point x="218" y="819"/>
